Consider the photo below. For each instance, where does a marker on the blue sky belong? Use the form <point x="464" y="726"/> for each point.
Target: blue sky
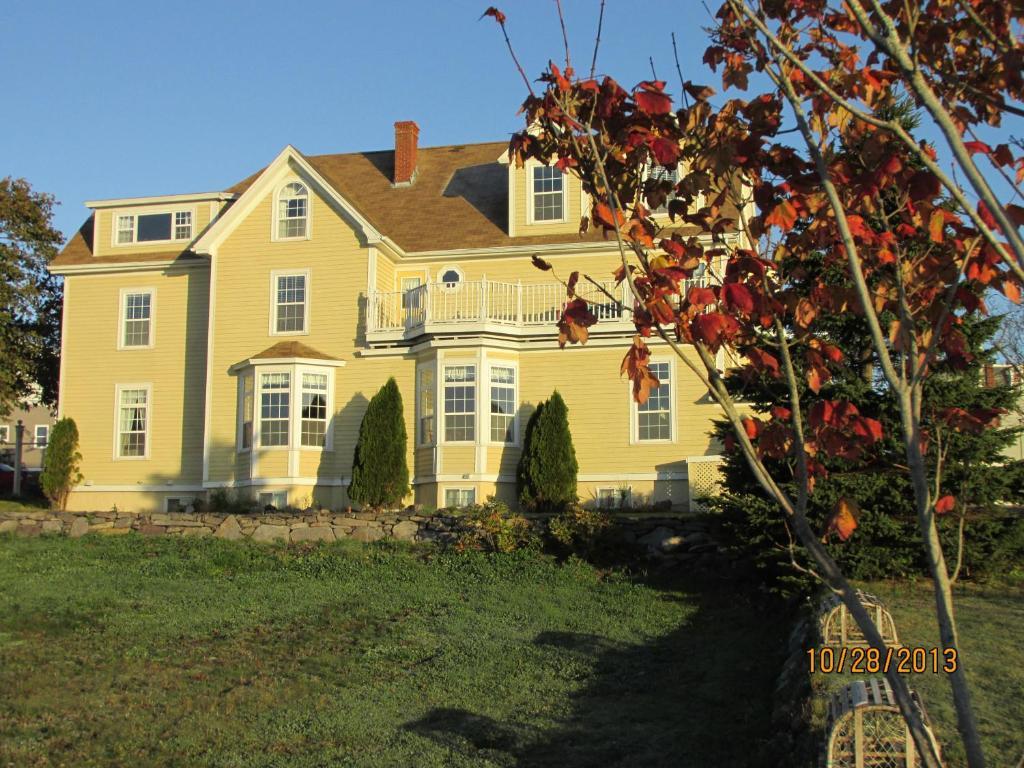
<point x="115" y="99"/>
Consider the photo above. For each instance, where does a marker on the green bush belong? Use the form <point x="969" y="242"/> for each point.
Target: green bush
<point x="380" y="476"/>
<point x="60" y="466"/>
<point x="222" y="500"/>
<point x="546" y="475"/>
<point x="587" y="533"/>
<point x="492" y="527"/>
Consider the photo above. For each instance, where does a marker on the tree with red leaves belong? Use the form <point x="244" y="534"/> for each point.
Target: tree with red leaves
<point x="917" y="251"/>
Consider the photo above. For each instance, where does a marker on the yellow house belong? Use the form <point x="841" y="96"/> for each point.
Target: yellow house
<point x="233" y="339"/>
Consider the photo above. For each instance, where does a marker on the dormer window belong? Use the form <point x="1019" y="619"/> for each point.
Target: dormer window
<point x="661" y="173"/>
<point x="547" y="194"/>
<point x="293" y="211"/>
<point x="153" y="227"/>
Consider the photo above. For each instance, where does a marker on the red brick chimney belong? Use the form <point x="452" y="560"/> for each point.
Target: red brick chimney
<point x="407" y="134"/>
<point x="989" y="373"/>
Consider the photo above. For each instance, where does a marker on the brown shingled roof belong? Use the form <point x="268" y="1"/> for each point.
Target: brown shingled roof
<point x="459" y="200"/>
<point x="292" y="349"/>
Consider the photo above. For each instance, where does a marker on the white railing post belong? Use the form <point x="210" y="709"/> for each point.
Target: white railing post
<point x="371" y="311"/>
<point x="426" y="302"/>
<point x="519" y="303"/>
<point x="483" y="298"/>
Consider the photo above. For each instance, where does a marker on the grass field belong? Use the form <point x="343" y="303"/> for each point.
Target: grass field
<point x="170" y="652"/>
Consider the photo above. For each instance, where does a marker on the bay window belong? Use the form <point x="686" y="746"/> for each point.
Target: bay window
<point x="460" y="403"/>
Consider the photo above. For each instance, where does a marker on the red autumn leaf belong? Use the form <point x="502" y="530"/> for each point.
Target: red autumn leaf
<point x="570" y="287"/>
<point x="700" y="297"/>
<point x="986" y="216"/>
<point x="672" y="248"/>
<point x="495" y="13"/>
<point x="539" y="263"/>
<point x="1016" y="214"/>
<point x="1010" y="289"/>
<point x="698" y="92"/>
<point x="974" y="147"/>
<point x="1002" y="155"/>
<point x="821" y="414"/>
<point x="738" y="297"/>
<point x="804" y="313"/>
<point x="665" y="152"/>
<point x="923" y="185"/>
<point x="781" y="413"/>
<point x="714" y="329"/>
<point x="603" y="215"/>
<point x="650" y="98"/>
<point x="764" y="362"/>
<point x="751" y="426"/>
<point x="945" y="504"/>
<point x="843" y="520"/>
<point x="783" y="216"/>
<point x="816" y="376"/>
<point x="573" y="324"/>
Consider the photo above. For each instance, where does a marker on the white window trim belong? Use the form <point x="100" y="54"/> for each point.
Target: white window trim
<point x="634" y="421"/>
<point x="448" y="286"/>
<point x="274" y="494"/>
<point x="122" y="308"/>
<point x="275" y="212"/>
<point x="35" y="435"/>
<point x="136" y="212"/>
<point x="514" y="365"/>
<point x="530" y="166"/>
<point x="446" y="488"/>
<point x="251" y="374"/>
<point x="5" y="431"/>
<point x="440" y="402"/>
<point x="118" y="389"/>
<point x="662" y="215"/>
<point x="432" y="365"/>
<point x="295" y="371"/>
<point x="329" y="426"/>
<point x="274" y="275"/>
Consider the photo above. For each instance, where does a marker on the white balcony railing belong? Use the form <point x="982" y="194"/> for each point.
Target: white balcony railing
<point x="436" y="306"/>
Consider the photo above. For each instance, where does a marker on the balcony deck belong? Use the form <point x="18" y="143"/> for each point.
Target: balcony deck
<point x="490" y="307"/>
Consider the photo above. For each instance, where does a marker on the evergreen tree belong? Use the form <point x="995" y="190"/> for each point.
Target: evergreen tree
<point x="547" y="467"/>
<point x="380" y="476"/>
<point x="60" y="467"/>
<point x="885" y="542"/>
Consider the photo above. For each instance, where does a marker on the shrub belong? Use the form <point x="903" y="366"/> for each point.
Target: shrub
<point x="224" y="502"/>
<point x="587" y="533"/>
<point x="380" y="476"/>
<point x="60" y="466"/>
<point x="546" y="475"/>
<point x="491" y="527"/>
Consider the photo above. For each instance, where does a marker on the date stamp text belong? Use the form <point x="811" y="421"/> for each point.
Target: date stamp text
<point x="870" y="661"/>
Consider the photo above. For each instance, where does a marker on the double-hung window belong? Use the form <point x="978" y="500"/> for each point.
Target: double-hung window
<point x="548" y="194"/>
<point x="291" y="303"/>
<point x="275" y="402"/>
<point x="132" y="422"/>
<point x="293" y="211"/>
<point x="137" y="318"/>
<point x="247" y="398"/>
<point x="5" y="433"/>
<point x="503" y="404"/>
<point x="42" y="435"/>
<point x="266" y="416"/>
<point x="661" y="173"/>
<point x="654" y="417"/>
<point x="314" y="410"/>
<point x="425" y="402"/>
<point x="459" y="403"/>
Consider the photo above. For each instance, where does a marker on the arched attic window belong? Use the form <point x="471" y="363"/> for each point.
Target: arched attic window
<point x="293" y="211"/>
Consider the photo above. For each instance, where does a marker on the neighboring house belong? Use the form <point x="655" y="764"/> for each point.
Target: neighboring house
<point x="233" y="339"/>
<point x="1004" y="375"/>
<point x="37" y="421"/>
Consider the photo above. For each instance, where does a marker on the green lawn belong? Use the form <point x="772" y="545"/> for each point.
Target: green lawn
<point x="170" y="652"/>
<point x="991" y="624"/>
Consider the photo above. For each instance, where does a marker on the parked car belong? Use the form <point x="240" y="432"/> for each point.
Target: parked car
<point x="29" y="479"/>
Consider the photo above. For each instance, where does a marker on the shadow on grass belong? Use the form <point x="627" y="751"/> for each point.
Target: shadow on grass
<point x="700" y="695"/>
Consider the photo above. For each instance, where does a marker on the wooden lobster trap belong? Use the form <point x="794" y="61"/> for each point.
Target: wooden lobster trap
<point x="839" y="629"/>
<point x="866" y="729"/>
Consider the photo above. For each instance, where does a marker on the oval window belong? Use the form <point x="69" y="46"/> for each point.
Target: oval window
<point x="450" y="277"/>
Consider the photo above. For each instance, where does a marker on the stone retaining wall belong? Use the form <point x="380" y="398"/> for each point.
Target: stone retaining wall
<point x="669" y="539"/>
